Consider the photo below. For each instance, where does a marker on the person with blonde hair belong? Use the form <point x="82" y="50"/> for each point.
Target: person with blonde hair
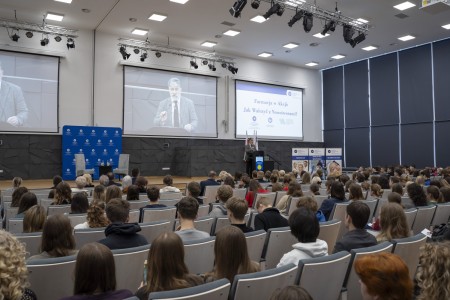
<point x="88" y="178"/>
<point x="310" y="203"/>
<point x="14" y="274"/>
<point x="95" y="217"/>
<point x="393" y="223"/>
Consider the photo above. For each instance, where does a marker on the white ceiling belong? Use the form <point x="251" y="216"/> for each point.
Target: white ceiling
<point x="199" y="20"/>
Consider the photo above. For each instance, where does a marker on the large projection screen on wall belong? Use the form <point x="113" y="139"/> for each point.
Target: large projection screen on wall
<point x="152" y="99"/>
<point x="28" y="92"/>
<point x="274" y="112"/>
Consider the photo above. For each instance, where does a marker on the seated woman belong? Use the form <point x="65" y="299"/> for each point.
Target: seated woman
<point x="294" y="190"/>
<point x="88" y="180"/>
<point x="28" y="200"/>
<point x="393" y="223"/>
<point x="34" y="219"/>
<point x="355" y="192"/>
<point x="166" y="269"/>
<point x="305" y="227"/>
<point x="56" y="180"/>
<point x="434" y="195"/>
<point x="133" y="193"/>
<point x="90" y="285"/>
<point x="63" y="194"/>
<point x="127" y="181"/>
<point x="81" y="183"/>
<point x="231" y="255"/>
<point x="95" y="217"/>
<point x="14" y="274"/>
<point x="384" y="276"/>
<point x="417" y="194"/>
<point x="253" y="189"/>
<point x="112" y="192"/>
<point x="375" y="191"/>
<point x="99" y="194"/>
<point x="17" y="195"/>
<point x="57" y="238"/>
<point x="79" y="204"/>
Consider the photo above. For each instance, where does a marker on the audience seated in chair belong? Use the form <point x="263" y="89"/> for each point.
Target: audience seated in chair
<point x="132" y="193"/>
<point x="120" y="234"/>
<point x="417" y="194"/>
<point x="193" y="190"/>
<point x="135" y="174"/>
<point x="224" y="193"/>
<point x="291" y="292"/>
<point x="168" y="181"/>
<point x="253" y="189"/>
<point x="112" y="192"/>
<point x="14" y="274"/>
<point x="310" y="203"/>
<point x="127" y="181"/>
<point x="141" y="182"/>
<point x="88" y="180"/>
<point x="268" y="216"/>
<point x="56" y="180"/>
<point x="276" y="186"/>
<point x="99" y="194"/>
<point x="57" y="238"/>
<point x="337" y="195"/>
<point x="103" y="180"/>
<point x="95" y="217"/>
<point x="393" y="223"/>
<point x="79" y="204"/>
<point x="111" y="179"/>
<point x="210" y="181"/>
<point x="294" y="190"/>
<point x="153" y="196"/>
<point x="357" y="216"/>
<point x="63" y="194"/>
<point x="26" y="201"/>
<point x="95" y="275"/>
<point x="236" y="211"/>
<point x="231" y="255"/>
<point x="34" y="219"/>
<point x="166" y="269"/>
<point x="80" y="182"/>
<point x="17" y="195"/>
<point x="187" y="213"/>
<point x="305" y="227"/>
<point x="384" y="276"/>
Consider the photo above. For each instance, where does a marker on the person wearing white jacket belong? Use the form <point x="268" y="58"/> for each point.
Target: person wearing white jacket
<point x="305" y="227"/>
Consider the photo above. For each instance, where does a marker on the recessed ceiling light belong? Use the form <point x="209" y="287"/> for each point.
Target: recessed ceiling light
<point x="404" y="5"/>
<point x="406" y="38"/>
<point x="369" y="48"/>
<point x="291" y="45"/>
<point x="258" y="19"/>
<point x="231" y="32"/>
<point x="265" y="54"/>
<point x="446" y="26"/>
<point x="339" y="56"/>
<point x="64" y="1"/>
<point x="138" y="31"/>
<point x="208" y="44"/>
<point x="311" y="64"/>
<point x="179" y="1"/>
<point x="320" y="36"/>
<point x="157" y="17"/>
<point x="54" y="17"/>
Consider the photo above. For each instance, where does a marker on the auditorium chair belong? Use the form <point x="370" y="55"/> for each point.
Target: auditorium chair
<point x="328" y="232"/>
<point x="217" y="290"/>
<point x="199" y="255"/>
<point x="409" y="250"/>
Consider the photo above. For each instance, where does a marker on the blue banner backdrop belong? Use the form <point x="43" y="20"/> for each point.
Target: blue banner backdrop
<point x="100" y="146"/>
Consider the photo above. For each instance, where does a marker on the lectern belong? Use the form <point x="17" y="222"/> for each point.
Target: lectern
<point x="258" y="160"/>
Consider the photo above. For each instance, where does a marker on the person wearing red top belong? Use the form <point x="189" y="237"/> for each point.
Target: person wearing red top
<point x="254" y="188"/>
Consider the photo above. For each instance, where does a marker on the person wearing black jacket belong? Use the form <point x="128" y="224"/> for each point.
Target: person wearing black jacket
<point x="268" y="216"/>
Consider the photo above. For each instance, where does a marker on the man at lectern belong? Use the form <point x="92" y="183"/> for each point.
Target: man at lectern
<point x="248" y="156"/>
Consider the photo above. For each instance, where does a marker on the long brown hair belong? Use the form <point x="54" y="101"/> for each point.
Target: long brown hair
<point x="57" y="237"/>
<point x="96" y="215"/>
<point x="62" y="192"/>
<point x="166" y="267"/>
<point x="34" y="219"/>
<point x="112" y="192"/>
<point x="392" y="222"/>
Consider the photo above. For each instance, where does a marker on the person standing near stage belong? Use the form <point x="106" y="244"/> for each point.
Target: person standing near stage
<point x="249" y="149"/>
<point x="13" y="109"/>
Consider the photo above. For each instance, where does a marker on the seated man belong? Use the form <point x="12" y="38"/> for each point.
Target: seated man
<point x="168" y="181"/>
<point x="224" y="193"/>
<point x="111" y="179"/>
<point x="357" y="216"/>
<point x="104" y="180"/>
<point x="236" y="210"/>
<point x="193" y="189"/>
<point x="210" y="181"/>
<point x="153" y="196"/>
<point x="268" y="216"/>
<point x="187" y="213"/>
<point x="120" y="234"/>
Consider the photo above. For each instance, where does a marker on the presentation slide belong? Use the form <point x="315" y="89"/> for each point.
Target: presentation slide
<point x="28" y="92"/>
<point x="274" y="112"/>
<point x="166" y="103"/>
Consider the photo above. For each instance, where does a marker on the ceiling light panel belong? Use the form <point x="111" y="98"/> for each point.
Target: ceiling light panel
<point x="265" y="54"/>
<point x="208" y="44"/>
<point x="404" y="5"/>
<point x="157" y="17"/>
<point x="311" y="64"/>
<point x="446" y="26"/>
<point x="54" y="17"/>
<point x="320" y="36"/>
<point x="369" y="48"/>
<point x="64" y="1"/>
<point x="258" y="19"/>
<point x="291" y="45"/>
<point x="179" y="1"/>
<point x="231" y="32"/>
<point x="138" y="31"/>
<point x="338" y="56"/>
<point x="406" y="38"/>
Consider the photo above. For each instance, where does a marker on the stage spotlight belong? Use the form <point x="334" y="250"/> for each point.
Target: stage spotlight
<point x="358" y="39"/>
<point x="15" y="37"/>
<point x="255" y="4"/>
<point x="232" y="69"/>
<point x="158" y="54"/>
<point x="204" y="62"/>
<point x="58" y="38"/>
<point x="194" y="64"/>
<point x="136" y="51"/>
<point x="237" y="8"/>
<point x="280" y="11"/>
<point x="44" y="42"/>
<point x="124" y="53"/>
<point x="297" y="17"/>
<point x="224" y="65"/>
<point x="144" y="56"/>
<point x="272" y="10"/>
<point x="70" y="43"/>
<point x="308" y="22"/>
<point x="348" y="33"/>
<point x="29" y="34"/>
<point x="212" y="67"/>
<point x="329" y="26"/>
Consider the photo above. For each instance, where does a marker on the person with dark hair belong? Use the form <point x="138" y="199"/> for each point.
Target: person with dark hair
<point x="112" y="192"/>
<point x="99" y="193"/>
<point x="417" y="194"/>
<point x="245" y="181"/>
<point x="294" y="190"/>
<point x="26" y="201"/>
<point x="397" y="188"/>
<point x="57" y="238"/>
<point x="337" y="195"/>
<point x="383" y="181"/>
<point x="193" y="189"/>
<point x="111" y="179"/>
<point x="268" y="216"/>
<point x="17" y="195"/>
<point x="236" y="211"/>
<point x="395" y="197"/>
<point x="310" y="203"/>
<point x="229" y="181"/>
<point x="153" y="196"/>
<point x="63" y="194"/>
<point x="445" y="193"/>
<point x="357" y="216"/>
<point x="210" y="181"/>
<point x="120" y="234"/>
<point x="166" y="269"/>
<point x="100" y="284"/>
<point x="141" y="182"/>
<point x="168" y="181"/>
<point x="249" y="149"/>
<point x="305" y="227"/>
<point x="291" y="292"/>
<point x="134" y="174"/>
<point x="56" y="180"/>
<point x="187" y="213"/>
<point x="133" y="193"/>
<point x="434" y="194"/>
<point x="224" y="193"/>
<point x="355" y="192"/>
<point x="34" y="219"/>
<point x="79" y="204"/>
<point x="231" y="255"/>
<point x="314" y="188"/>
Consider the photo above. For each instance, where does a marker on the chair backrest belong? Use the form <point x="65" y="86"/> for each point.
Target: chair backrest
<point x="10" y="213"/>
<point x="136" y="204"/>
<point x="292" y="205"/>
<point x="90" y="235"/>
<point x="169" y="202"/>
<point x="271" y="197"/>
<point x="134" y="216"/>
<point x="330" y="269"/>
<point x="261" y="285"/>
<point x="124" y="162"/>
<point x="381" y="202"/>
<point x="323" y="192"/>
<point x="352" y="280"/>
<point x="255" y="244"/>
<point x="130" y="266"/>
<point x="423" y="218"/>
<point x="170" y="196"/>
<point x="442" y="214"/>
<point x="278" y="197"/>
<point x="152" y="229"/>
<point x="319" y="199"/>
<point x="15" y="225"/>
<point x="52" y="278"/>
<point x="409" y="250"/>
<point x="32" y="242"/>
<point x="372" y="204"/>
<point x="407" y="202"/>
<point x="210" y="193"/>
<point x="224" y="221"/>
<point x="251" y="221"/>
<point x="76" y="219"/>
<point x="328" y="232"/>
<point x="159" y="214"/>
<point x="203" y="210"/>
<point x="338" y="213"/>
<point x="205" y="223"/>
<point x="58" y="209"/>
<point x="199" y="255"/>
<point x="240" y="193"/>
<point x="45" y="203"/>
<point x="410" y="214"/>
<point x="278" y="242"/>
<point x="80" y="163"/>
<point x="217" y="290"/>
